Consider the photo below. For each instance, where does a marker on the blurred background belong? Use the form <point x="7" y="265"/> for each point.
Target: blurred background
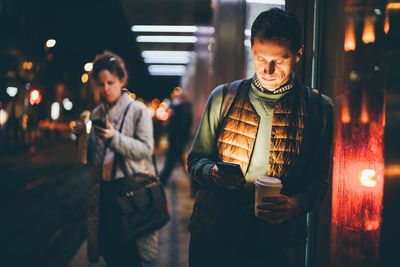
<point x="352" y="48"/>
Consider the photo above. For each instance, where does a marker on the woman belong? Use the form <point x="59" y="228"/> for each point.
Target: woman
<point x="134" y="144"/>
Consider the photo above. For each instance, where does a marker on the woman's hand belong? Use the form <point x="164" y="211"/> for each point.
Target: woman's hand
<point x="278" y="209"/>
<point x="227" y="181"/>
<point x="105" y="133"/>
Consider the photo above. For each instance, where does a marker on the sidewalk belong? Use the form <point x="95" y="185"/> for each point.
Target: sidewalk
<point x="174" y="237"/>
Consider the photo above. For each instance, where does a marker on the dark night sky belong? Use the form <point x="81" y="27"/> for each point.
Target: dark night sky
<point x="82" y="29"/>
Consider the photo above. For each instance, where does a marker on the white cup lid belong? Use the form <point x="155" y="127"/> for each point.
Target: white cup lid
<point x="268" y="181"/>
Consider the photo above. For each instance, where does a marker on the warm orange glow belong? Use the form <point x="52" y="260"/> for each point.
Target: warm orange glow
<point x="392" y="170"/>
<point x="372" y="225"/>
<point x="27" y="65"/>
<point x="384" y="115"/>
<point x="164" y="105"/>
<point x="155" y="102"/>
<point x="364" y="109"/>
<point x="367" y="178"/>
<point x="133" y="96"/>
<point x="84" y="78"/>
<point x="350" y="37"/>
<point x="386" y="26"/>
<point x="24" y="122"/>
<point x="357" y="185"/>
<point x="162" y="114"/>
<point x="72" y="124"/>
<point x="393" y="6"/>
<point x="345" y="111"/>
<point x="3" y="117"/>
<point x="177" y="91"/>
<point x="369" y="30"/>
<point x="35" y="97"/>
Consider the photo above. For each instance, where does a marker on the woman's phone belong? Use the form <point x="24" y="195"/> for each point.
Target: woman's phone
<point x="230" y="168"/>
<point x="99" y="123"/>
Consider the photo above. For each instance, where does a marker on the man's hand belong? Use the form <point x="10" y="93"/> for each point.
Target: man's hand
<point x="278" y="209"/>
<point x="227" y="181"/>
<point x="105" y="133"/>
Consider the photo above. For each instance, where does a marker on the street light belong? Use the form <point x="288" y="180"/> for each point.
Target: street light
<point x="84" y="78"/>
<point x="88" y="66"/>
<point x="67" y="104"/>
<point x="50" y="43"/>
<point x="55" y="111"/>
<point x="35" y="97"/>
<point x="3" y="117"/>
<point x="12" y="91"/>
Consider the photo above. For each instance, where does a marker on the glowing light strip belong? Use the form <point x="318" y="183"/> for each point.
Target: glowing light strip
<point x="166" y="60"/>
<point x="163" y="28"/>
<point x="167" y="70"/>
<point x="166" y="53"/>
<point x="392" y="170"/>
<point x="271" y="2"/>
<point x="393" y="6"/>
<point x="165" y="39"/>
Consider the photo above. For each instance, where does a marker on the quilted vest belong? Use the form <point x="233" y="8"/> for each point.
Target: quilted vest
<point x="239" y="128"/>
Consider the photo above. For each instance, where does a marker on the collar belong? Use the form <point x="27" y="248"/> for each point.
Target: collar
<point x="287" y="86"/>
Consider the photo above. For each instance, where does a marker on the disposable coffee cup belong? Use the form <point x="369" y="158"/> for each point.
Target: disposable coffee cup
<point x="266" y="187"/>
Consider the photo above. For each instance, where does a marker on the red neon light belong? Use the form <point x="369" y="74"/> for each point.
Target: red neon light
<point x="372" y="225"/>
<point x="357" y="190"/>
<point x="358" y="162"/>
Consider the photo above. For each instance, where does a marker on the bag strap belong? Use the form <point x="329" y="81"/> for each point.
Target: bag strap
<point x="229" y="93"/>
<point x="116" y="155"/>
<point x="119" y="159"/>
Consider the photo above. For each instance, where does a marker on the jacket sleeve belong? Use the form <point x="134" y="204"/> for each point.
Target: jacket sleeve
<point x="140" y="146"/>
<point x="203" y="154"/>
<point x="319" y="169"/>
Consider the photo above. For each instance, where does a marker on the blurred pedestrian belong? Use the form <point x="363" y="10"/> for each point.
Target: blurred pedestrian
<point x="134" y="144"/>
<point x="179" y="132"/>
<point x="273" y="126"/>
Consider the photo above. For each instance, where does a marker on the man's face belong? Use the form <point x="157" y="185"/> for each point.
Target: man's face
<point x="273" y="62"/>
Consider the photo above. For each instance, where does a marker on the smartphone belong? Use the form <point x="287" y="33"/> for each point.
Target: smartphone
<point x="230" y="168"/>
<point x="99" y="123"/>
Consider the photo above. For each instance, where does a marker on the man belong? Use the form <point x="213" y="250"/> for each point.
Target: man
<point x="275" y="127"/>
<point x="179" y="131"/>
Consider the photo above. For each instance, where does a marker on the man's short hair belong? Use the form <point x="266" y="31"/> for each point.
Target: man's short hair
<point x="277" y="24"/>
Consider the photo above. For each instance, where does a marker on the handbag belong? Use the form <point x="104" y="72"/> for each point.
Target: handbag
<point x="140" y="199"/>
<point x="141" y="203"/>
